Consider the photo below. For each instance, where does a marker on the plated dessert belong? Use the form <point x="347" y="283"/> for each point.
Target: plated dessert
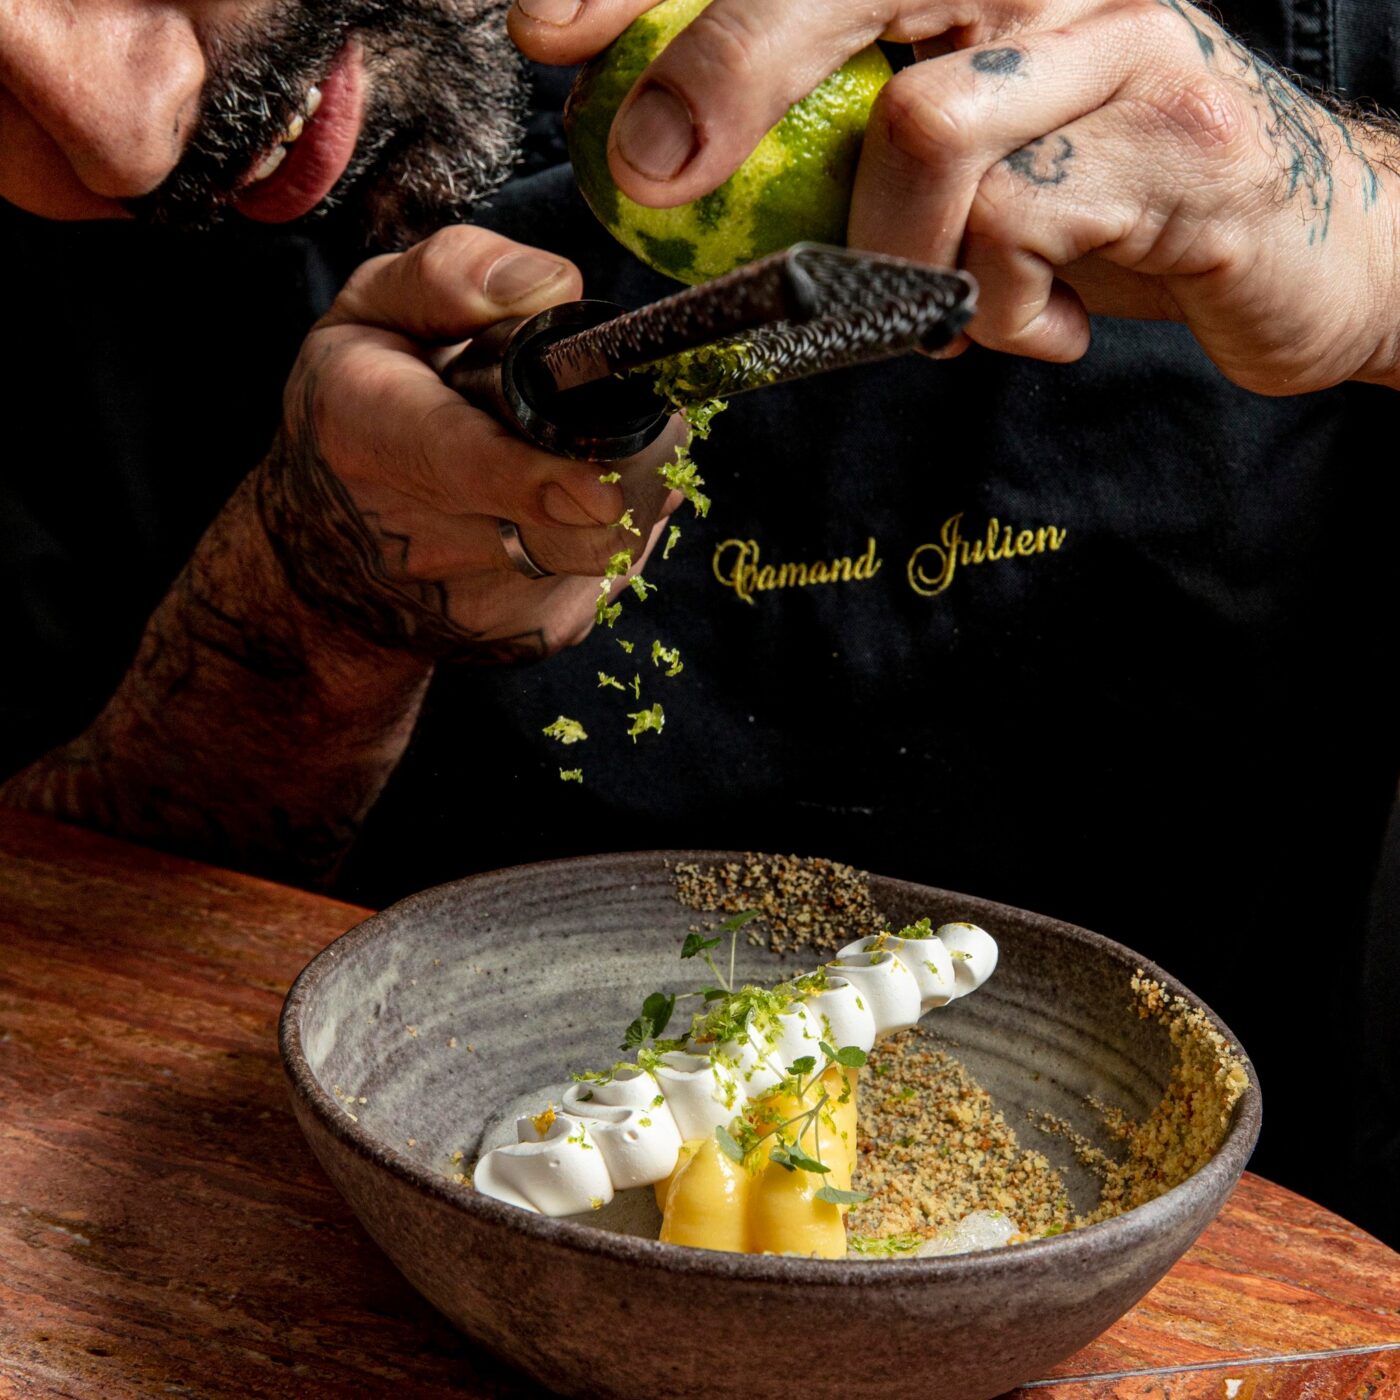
<point x="746" y="1125"/>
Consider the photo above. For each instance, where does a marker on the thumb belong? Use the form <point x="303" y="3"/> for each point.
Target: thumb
<point x="452" y="284"/>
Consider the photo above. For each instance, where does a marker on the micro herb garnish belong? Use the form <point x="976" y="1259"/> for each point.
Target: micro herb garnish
<point x="567" y="731"/>
<point x="607" y="478"/>
<point x="742" y="1140"/>
<point x="922" y="929"/>
<point x="656" y="1013"/>
<point x="670" y="655"/>
<point x="644" y="720"/>
<point x="604" y="679"/>
<point x="571" y="775"/>
<point x="672" y="535"/>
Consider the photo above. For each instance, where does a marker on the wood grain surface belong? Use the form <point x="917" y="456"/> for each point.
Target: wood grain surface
<point x="165" y="1231"/>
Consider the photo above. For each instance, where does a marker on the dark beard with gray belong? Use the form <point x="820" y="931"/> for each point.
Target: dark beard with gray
<point x="441" y="128"/>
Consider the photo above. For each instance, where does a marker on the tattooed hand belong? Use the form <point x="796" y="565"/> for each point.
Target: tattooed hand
<point x="1125" y="157"/>
<point x="258" y="724"/>
<point x="383" y="494"/>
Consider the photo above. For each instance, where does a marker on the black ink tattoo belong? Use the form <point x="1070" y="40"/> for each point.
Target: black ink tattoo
<point x="334" y="557"/>
<point x="1042" y="163"/>
<point x="1001" y="62"/>
<point x="245" y="732"/>
<point x="1295" y="123"/>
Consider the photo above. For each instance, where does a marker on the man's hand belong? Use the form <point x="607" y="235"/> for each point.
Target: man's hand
<point x="383" y="495"/>
<point x="1125" y="157"/>
<point x="276" y="685"/>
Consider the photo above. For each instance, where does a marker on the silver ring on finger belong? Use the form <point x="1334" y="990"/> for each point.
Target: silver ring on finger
<point x="516" y="552"/>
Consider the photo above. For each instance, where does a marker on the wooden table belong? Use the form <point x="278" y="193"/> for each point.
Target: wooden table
<point x="164" y="1229"/>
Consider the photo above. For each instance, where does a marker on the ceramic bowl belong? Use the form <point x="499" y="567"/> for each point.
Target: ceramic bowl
<point x="418" y="1034"/>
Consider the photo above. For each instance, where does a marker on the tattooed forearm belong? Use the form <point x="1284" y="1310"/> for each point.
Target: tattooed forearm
<point x="247" y="731"/>
<point x="1298" y="126"/>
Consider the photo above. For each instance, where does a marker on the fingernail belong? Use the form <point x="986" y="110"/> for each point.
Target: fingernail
<point x="560" y="12"/>
<point x="515" y="275"/>
<point x="656" y="137"/>
<point x="565" y="510"/>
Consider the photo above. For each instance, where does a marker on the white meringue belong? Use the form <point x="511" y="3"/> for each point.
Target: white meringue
<point x="886" y="986"/>
<point x="842" y="1015"/>
<point x="559" y="1172"/>
<point x="701" y="1093"/>
<point x="974" y="952"/>
<point x="631" y="1124"/>
<point x="927" y="958"/>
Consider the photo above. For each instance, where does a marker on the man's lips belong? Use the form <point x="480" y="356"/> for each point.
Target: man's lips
<point x="317" y="159"/>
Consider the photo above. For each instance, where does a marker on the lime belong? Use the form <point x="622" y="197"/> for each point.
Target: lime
<point x="796" y="185"/>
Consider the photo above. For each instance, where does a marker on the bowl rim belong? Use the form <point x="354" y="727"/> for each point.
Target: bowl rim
<point x="1217" y="1177"/>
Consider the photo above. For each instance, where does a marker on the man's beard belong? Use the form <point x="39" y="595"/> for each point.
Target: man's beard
<point x="441" y="127"/>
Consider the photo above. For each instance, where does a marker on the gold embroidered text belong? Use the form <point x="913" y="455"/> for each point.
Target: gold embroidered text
<point x="737" y="564"/>
<point x="932" y="566"/>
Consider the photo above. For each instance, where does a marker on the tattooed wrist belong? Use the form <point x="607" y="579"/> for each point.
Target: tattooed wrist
<point x="333" y="555"/>
<point x="1303" y="131"/>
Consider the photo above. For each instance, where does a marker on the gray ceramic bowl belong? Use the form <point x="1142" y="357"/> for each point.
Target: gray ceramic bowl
<point x="428" y="1022"/>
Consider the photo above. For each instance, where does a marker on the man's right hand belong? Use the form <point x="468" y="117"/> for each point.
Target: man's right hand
<point x="383" y="494"/>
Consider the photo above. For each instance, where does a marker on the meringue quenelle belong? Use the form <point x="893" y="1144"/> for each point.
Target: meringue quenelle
<point x="745" y="1127"/>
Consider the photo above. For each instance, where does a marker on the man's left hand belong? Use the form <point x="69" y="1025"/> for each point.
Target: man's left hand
<point x="1122" y="157"/>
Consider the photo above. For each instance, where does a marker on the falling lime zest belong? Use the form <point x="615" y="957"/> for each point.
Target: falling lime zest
<point x="670" y="655"/>
<point x="566" y="730"/>
<point x="644" y="720"/>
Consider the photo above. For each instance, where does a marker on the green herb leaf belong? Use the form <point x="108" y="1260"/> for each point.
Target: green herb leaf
<point x="799" y="1158"/>
<point x="837" y="1197"/>
<point x="657" y="1009"/>
<point x="727" y="1145"/>
<point x="852" y="1056"/>
<point x="739" y="920"/>
<point x="803" y="1066"/>
<point x="625" y="644"/>
<point x="781" y="1156"/>
<point x="695" y="944"/>
<point x="636" y="1034"/>
<point x="827" y="1051"/>
<point x="671" y="537"/>
<point x="624" y="521"/>
<point x="641" y="587"/>
<point x="606" y="680"/>
<point x="714" y="993"/>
